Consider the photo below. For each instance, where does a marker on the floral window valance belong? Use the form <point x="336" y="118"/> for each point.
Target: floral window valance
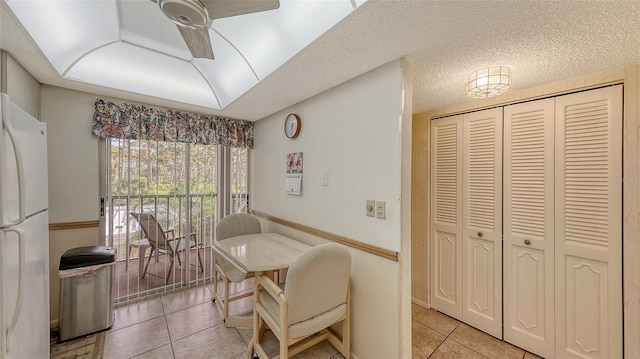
<point x="139" y="122"/>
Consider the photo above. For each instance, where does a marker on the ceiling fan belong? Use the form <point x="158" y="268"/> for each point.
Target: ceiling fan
<point x="193" y="18"/>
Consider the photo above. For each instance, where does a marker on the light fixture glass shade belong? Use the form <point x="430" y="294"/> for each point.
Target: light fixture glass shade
<point x="488" y="82"/>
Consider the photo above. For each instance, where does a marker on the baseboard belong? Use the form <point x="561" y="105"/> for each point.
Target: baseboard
<point x="420" y="303"/>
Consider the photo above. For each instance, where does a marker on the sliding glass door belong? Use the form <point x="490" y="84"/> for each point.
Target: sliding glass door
<point x="178" y="184"/>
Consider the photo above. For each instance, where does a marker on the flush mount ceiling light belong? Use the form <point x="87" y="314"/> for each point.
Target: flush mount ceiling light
<point x="489" y="82"/>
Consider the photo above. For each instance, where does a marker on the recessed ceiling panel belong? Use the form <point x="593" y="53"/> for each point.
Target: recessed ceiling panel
<point x="132" y="68"/>
<point x="229" y="74"/>
<point x="143" y="23"/>
<point x="268" y="39"/>
<point x="66" y="30"/>
<point x="131" y="45"/>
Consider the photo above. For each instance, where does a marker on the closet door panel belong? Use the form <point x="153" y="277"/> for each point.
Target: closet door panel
<point x="528" y="226"/>
<point x="446" y="215"/>
<point x="447" y="271"/>
<point x="588" y="284"/>
<point x="527" y="312"/>
<point x="587" y="290"/>
<point x="479" y="261"/>
<point x="482" y="221"/>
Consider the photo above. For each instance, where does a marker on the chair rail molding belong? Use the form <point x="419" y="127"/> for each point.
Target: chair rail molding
<point x="369" y="248"/>
<point x="73" y="225"/>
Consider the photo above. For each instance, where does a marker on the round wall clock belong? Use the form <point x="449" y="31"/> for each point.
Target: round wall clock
<point x="292" y="125"/>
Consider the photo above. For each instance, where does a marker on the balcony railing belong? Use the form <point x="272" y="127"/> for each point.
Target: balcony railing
<point x="171" y="213"/>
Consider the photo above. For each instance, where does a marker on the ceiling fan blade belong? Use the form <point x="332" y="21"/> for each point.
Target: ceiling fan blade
<point x="224" y="8"/>
<point x="198" y="41"/>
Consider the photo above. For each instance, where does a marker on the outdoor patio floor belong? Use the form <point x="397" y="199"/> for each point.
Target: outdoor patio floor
<point x="128" y="281"/>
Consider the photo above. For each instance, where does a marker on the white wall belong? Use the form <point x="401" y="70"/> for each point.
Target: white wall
<point x="22" y="88"/>
<point x="73" y="155"/>
<point x="353" y="132"/>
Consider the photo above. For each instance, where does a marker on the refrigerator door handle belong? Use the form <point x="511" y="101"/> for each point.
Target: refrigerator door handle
<point x="21" y="260"/>
<point x="20" y="170"/>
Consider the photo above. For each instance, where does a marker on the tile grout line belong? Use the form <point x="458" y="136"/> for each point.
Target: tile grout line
<point x="462" y="344"/>
<point x="484" y="356"/>
<point x="500" y="340"/>
<point x="166" y="323"/>
<point x="524" y="354"/>
<point x="445" y="338"/>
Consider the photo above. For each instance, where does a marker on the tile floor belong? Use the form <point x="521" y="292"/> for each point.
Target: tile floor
<point x="186" y="324"/>
<point x="437" y="336"/>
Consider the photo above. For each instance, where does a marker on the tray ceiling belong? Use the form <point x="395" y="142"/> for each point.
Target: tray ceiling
<point x="131" y="45"/>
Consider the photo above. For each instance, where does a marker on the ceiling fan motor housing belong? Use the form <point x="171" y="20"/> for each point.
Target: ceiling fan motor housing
<point x="187" y="13"/>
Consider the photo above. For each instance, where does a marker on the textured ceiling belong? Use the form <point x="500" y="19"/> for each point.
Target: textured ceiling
<point x="445" y="41"/>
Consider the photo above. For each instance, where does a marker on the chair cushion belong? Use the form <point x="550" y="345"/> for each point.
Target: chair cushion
<point x="317" y="323"/>
<point x="308" y="326"/>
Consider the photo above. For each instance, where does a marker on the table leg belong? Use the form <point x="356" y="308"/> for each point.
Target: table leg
<point x="242" y="321"/>
<point x="250" y="350"/>
<point x="255" y="323"/>
<point x="142" y="251"/>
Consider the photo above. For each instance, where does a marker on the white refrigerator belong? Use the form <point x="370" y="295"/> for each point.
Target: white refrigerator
<point x="24" y="235"/>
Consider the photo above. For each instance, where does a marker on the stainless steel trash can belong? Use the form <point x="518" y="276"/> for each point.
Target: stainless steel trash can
<point x="86" y="291"/>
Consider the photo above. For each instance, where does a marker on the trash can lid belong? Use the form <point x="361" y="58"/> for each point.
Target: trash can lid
<point x="87" y="256"/>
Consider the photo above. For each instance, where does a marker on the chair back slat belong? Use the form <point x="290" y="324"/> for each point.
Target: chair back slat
<point x="152" y="231"/>
<point x="237" y="224"/>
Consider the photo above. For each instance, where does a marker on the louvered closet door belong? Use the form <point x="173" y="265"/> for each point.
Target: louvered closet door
<point x="446" y="214"/>
<point x="589" y="224"/>
<point x="482" y="221"/>
<point x="528" y="226"/>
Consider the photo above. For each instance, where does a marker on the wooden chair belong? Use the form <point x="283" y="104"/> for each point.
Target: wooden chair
<point x="314" y="297"/>
<point x="233" y="225"/>
<point x="162" y="242"/>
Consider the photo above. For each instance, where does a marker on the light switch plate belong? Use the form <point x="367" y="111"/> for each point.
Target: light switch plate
<point x="325" y="179"/>
<point x="380" y="210"/>
<point x="370" y="208"/>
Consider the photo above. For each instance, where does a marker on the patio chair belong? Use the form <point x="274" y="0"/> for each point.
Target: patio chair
<point x="236" y="224"/>
<point x="162" y="242"/>
<point x="314" y="296"/>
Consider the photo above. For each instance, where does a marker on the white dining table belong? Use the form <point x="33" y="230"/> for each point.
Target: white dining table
<point x="258" y="253"/>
